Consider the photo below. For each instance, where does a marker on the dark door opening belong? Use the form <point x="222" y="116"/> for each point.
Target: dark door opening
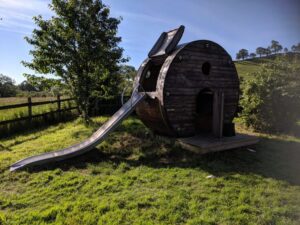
<point x="150" y="78"/>
<point x="204" y="110"/>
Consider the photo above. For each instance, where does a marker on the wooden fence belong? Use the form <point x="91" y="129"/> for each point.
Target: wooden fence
<point x="29" y="104"/>
<point x="102" y="106"/>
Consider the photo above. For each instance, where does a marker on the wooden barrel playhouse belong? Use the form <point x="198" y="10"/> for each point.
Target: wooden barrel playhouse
<point x="193" y="88"/>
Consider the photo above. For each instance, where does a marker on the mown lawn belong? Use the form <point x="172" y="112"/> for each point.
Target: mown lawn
<point x="136" y="178"/>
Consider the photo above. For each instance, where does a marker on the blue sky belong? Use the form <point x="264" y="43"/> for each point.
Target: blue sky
<point x="234" y="24"/>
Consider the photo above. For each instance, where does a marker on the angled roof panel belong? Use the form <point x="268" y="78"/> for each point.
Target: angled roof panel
<point x="166" y="42"/>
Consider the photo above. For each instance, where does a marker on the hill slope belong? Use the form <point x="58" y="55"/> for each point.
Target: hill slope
<point x="245" y="67"/>
<point x="249" y="66"/>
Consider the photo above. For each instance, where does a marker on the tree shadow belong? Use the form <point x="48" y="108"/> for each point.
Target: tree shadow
<point x="273" y="158"/>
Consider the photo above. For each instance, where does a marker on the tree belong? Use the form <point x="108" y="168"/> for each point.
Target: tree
<point x="271" y="100"/>
<point x="267" y="51"/>
<point x="242" y="54"/>
<point x="127" y="74"/>
<point x="275" y="47"/>
<point x="296" y="48"/>
<point x="7" y="86"/>
<point x="252" y="55"/>
<point x="260" y="51"/>
<point x="26" y="86"/>
<point x="42" y="83"/>
<point x="286" y="50"/>
<point x="79" y="44"/>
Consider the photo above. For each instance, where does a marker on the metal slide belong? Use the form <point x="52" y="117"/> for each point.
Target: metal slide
<point x="87" y="144"/>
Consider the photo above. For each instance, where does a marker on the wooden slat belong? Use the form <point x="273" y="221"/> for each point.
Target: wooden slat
<point x="33" y="104"/>
<point x="34" y="116"/>
<point x="14" y="106"/>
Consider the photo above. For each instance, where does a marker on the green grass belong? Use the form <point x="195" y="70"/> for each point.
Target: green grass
<point x="135" y="178"/>
<point x="18" y="100"/>
<point x="246" y="67"/>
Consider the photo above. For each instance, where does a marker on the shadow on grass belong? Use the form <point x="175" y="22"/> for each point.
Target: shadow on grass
<point x="272" y="158"/>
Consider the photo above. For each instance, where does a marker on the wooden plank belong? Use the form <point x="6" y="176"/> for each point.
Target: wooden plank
<point x="14" y="106"/>
<point x="218" y="111"/>
<point x="34" y="116"/>
<point x="29" y="108"/>
<point x="205" y="144"/>
<point x="32" y="103"/>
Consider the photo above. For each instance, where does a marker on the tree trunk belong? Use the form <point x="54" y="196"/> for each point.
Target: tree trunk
<point x="83" y="107"/>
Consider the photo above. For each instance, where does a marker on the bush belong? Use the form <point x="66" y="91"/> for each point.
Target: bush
<point x="271" y="97"/>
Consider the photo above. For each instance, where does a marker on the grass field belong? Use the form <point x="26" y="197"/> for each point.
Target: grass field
<point x="246" y="67"/>
<point x="136" y="178"/>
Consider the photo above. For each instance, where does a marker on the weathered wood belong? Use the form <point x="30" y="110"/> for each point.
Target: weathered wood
<point x="29" y="109"/>
<point x="4" y="107"/>
<point x="34" y="116"/>
<point x="180" y="79"/>
<point x="218" y="112"/>
<point x="204" y="144"/>
<point x="110" y="104"/>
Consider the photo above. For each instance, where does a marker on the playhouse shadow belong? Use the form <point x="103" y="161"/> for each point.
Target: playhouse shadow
<point x="274" y="158"/>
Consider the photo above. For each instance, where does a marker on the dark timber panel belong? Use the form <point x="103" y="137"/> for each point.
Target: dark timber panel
<point x="188" y="70"/>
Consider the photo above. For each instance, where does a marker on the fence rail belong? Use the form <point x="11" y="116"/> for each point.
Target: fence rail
<point x="29" y="104"/>
<point x="102" y="106"/>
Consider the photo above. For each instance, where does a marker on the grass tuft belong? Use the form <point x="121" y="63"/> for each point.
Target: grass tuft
<point x="134" y="177"/>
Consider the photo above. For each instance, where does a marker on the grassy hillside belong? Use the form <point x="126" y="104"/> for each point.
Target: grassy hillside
<point x="244" y="68"/>
<point x="136" y="178"/>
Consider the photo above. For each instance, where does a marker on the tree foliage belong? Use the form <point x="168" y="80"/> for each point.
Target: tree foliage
<point x="242" y="54"/>
<point x="79" y="44"/>
<point x="267" y="51"/>
<point x="275" y="46"/>
<point x="26" y="86"/>
<point x="296" y="48"/>
<point x="260" y="51"/>
<point x="41" y="83"/>
<point x="7" y="86"/>
<point x="271" y="99"/>
<point x="127" y="73"/>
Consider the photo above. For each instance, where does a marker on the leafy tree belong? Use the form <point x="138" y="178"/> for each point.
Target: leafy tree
<point x="242" y="54"/>
<point x="79" y="44"/>
<point x="267" y="51"/>
<point x="7" y="86"/>
<point x="260" y="51"/>
<point x="286" y="50"/>
<point x="296" y="48"/>
<point x="26" y="86"/>
<point x="271" y="99"/>
<point x="127" y="74"/>
<point x="252" y="55"/>
<point x="42" y="83"/>
<point x="275" y="46"/>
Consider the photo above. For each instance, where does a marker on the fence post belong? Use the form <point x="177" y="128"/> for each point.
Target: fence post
<point x="59" y="106"/>
<point x="29" y="109"/>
